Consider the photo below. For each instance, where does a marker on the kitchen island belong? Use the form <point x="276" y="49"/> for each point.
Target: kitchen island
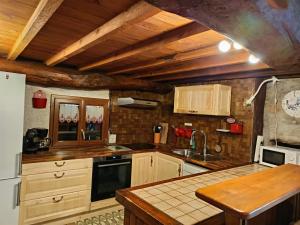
<point x="175" y="202"/>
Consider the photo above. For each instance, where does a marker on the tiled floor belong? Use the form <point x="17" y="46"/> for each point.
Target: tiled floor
<point x="113" y="216"/>
<point x="178" y="200"/>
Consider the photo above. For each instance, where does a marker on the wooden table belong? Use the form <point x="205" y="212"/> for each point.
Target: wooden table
<point x="249" y="196"/>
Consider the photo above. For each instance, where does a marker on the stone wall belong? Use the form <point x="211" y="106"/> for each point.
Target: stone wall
<point x="288" y="129"/>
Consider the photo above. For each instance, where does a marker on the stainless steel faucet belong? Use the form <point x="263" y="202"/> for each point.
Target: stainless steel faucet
<point x="205" y="143"/>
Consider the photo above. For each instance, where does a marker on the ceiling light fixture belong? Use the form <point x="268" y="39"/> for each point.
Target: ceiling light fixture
<point x="237" y="46"/>
<point x="253" y="59"/>
<point x="224" y="46"/>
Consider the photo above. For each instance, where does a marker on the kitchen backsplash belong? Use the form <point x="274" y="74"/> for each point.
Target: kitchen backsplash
<point x="135" y="125"/>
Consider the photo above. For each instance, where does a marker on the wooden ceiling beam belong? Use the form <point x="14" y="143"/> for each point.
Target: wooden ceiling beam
<point x="169" y="59"/>
<point x="38" y="73"/>
<point x="270" y="34"/>
<point x="212" y="61"/>
<point x="239" y="75"/>
<point x="214" y="71"/>
<point x="149" y="44"/>
<point x="136" y="13"/>
<point x="39" y="18"/>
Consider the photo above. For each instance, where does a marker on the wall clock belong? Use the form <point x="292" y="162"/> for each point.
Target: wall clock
<point x="291" y="103"/>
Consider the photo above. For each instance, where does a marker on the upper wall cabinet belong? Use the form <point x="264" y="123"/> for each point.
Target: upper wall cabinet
<point x="77" y="121"/>
<point x="214" y="99"/>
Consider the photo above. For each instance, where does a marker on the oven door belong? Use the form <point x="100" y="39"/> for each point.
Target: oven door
<point x="109" y="176"/>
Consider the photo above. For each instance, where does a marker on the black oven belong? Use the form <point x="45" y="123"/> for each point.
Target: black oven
<point x="110" y="173"/>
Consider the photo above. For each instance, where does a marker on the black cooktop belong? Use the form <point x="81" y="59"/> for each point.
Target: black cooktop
<point x="140" y="146"/>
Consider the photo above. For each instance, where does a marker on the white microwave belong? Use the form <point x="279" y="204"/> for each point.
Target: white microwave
<point x="276" y="156"/>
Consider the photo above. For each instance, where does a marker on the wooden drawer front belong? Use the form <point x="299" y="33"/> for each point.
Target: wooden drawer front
<point x="54" y="207"/>
<point x="54" y="166"/>
<point x="48" y="184"/>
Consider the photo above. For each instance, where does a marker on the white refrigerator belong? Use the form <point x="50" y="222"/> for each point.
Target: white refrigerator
<point x="12" y="96"/>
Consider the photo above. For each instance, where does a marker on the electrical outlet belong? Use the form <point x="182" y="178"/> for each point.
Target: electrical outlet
<point x="188" y="124"/>
<point x="112" y="139"/>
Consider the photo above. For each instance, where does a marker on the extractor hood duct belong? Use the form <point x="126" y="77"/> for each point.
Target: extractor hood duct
<point x="137" y="103"/>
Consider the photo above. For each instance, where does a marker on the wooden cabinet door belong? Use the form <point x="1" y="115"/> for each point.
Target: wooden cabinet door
<point x="142" y="169"/>
<point x="183" y="100"/>
<point x="167" y="167"/>
<point x="54" y="207"/>
<point x="203" y="99"/>
<point x="222" y="100"/>
<point x="211" y="99"/>
<point x="56" y="183"/>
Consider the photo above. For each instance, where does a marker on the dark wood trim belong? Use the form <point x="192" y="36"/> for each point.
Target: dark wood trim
<point x="242" y="75"/>
<point x="82" y="102"/>
<point x="213" y="71"/>
<point x="37" y="73"/>
<point x="149" y="44"/>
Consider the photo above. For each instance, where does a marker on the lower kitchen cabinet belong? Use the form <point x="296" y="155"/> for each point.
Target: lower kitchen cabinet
<point x="52" y="190"/>
<point x="152" y="167"/>
<point x="167" y="167"/>
<point x="44" y="209"/>
<point x="142" y="168"/>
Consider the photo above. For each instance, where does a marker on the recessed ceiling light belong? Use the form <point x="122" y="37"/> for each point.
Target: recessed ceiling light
<point x="253" y="59"/>
<point x="224" y="46"/>
<point x="237" y="46"/>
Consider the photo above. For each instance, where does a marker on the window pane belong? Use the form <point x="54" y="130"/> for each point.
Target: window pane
<point x="93" y="122"/>
<point x="68" y="122"/>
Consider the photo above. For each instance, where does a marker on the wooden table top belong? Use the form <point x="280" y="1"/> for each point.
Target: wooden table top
<point x="251" y="195"/>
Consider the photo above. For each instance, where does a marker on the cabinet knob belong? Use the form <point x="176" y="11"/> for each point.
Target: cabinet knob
<point x="57" y="200"/>
<point x="60" y="165"/>
<point x="57" y="176"/>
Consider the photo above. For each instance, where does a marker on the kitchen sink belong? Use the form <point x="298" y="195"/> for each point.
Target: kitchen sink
<point x="195" y="155"/>
<point x="183" y="152"/>
<point x="207" y="157"/>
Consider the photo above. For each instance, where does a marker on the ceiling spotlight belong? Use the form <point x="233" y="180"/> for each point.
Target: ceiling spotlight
<point x="253" y="59"/>
<point x="224" y="46"/>
<point x="237" y="46"/>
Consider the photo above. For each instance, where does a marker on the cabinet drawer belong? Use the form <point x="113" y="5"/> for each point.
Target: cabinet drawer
<point x="48" y="184"/>
<point x="55" y="166"/>
<point x="54" y="207"/>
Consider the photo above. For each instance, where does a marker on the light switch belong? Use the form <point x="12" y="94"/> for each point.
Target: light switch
<point x="112" y="139"/>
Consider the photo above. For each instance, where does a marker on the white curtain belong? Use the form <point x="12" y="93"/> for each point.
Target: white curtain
<point x="68" y="113"/>
<point x="94" y="114"/>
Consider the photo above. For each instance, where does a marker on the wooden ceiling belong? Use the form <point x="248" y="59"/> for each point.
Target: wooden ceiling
<point x="125" y="37"/>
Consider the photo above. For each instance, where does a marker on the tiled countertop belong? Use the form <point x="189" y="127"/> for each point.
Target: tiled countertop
<point x="177" y="198"/>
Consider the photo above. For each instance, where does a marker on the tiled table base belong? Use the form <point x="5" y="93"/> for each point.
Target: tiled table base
<point x="177" y="199"/>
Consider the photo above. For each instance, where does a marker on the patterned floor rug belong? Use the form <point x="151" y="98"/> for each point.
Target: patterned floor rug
<point x="115" y="217"/>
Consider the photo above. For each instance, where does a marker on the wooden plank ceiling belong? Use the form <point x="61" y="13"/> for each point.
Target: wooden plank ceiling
<point x="130" y="38"/>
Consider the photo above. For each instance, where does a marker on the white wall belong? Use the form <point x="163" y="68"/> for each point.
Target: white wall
<point x="40" y="117"/>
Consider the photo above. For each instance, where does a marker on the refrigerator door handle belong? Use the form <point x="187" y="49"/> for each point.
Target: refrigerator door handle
<point x="17" y="195"/>
<point x="19" y="164"/>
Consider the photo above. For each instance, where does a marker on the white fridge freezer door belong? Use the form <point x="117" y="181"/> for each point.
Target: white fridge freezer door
<point x="9" y="195"/>
<point x="12" y="96"/>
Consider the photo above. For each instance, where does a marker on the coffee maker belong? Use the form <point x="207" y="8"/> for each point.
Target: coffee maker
<point x="36" y="139"/>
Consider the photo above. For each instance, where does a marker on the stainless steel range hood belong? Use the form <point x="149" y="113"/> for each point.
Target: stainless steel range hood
<point x="137" y="103"/>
